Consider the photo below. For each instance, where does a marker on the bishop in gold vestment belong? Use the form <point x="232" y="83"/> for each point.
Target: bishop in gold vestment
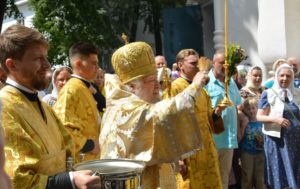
<point x="35" y="148"/>
<point x="137" y="126"/>
<point x="203" y="167"/>
<point x="154" y="133"/>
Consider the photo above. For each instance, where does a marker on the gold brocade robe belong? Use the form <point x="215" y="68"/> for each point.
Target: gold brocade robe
<point x="34" y="148"/>
<point x="203" y="167"/>
<point x="77" y="110"/>
<point x="155" y="133"/>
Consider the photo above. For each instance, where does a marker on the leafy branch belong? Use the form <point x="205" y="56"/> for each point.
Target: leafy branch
<point x="235" y="55"/>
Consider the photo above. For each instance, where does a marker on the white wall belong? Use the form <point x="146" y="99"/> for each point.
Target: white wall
<point x="278" y="29"/>
<point x="271" y="30"/>
<point x="292" y="27"/>
<point x="242" y="29"/>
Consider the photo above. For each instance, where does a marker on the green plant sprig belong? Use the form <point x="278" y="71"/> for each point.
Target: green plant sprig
<point x="235" y="55"/>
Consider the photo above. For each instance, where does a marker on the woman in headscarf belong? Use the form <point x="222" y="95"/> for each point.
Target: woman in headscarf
<point x="278" y="109"/>
<point x="253" y="86"/>
<point x="269" y="83"/>
<point x="60" y="77"/>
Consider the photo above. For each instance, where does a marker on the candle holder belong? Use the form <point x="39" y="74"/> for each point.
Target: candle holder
<point x="226" y="100"/>
<point x="234" y="55"/>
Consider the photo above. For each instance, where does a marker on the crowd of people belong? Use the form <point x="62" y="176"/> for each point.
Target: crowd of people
<point x="171" y="119"/>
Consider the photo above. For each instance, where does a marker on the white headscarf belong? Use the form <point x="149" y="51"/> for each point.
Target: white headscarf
<point x="249" y="83"/>
<point x="279" y="90"/>
<point x="54" y="93"/>
<point x="59" y="69"/>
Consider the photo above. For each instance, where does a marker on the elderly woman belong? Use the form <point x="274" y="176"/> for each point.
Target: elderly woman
<point x="279" y="111"/>
<point x="60" y="77"/>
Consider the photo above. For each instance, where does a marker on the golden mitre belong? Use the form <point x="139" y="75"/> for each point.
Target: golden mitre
<point x="133" y="61"/>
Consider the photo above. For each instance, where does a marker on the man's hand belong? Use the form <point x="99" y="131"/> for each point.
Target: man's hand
<point x="219" y="110"/>
<point x="201" y="79"/>
<point x="85" y="179"/>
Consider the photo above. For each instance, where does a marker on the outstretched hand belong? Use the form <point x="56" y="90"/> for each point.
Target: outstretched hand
<point x="201" y="79"/>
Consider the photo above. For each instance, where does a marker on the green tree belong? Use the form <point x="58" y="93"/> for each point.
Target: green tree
<point x="100" y="22"/>
<point x="8" y="9"/>
<point x="65" y="22"/>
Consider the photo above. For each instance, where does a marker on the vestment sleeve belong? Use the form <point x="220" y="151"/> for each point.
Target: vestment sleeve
<point x="174" y="124"/>
<point x="69" y="110"/>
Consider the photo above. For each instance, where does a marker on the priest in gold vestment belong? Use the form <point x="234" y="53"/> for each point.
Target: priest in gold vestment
<point x="202" y="167"/>
<point x="36" y="144"/>
<point x="76" y="106"/>
<point x="33" y="143"/>
<point x="4" y="179"/>
<point x="137" y="125"/>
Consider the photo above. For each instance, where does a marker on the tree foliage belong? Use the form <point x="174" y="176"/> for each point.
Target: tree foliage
<point x="99" y="22"/>
<point x="12" y="11"/>
<point x="8" y="9"/>
<point x="65" y="22"/>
